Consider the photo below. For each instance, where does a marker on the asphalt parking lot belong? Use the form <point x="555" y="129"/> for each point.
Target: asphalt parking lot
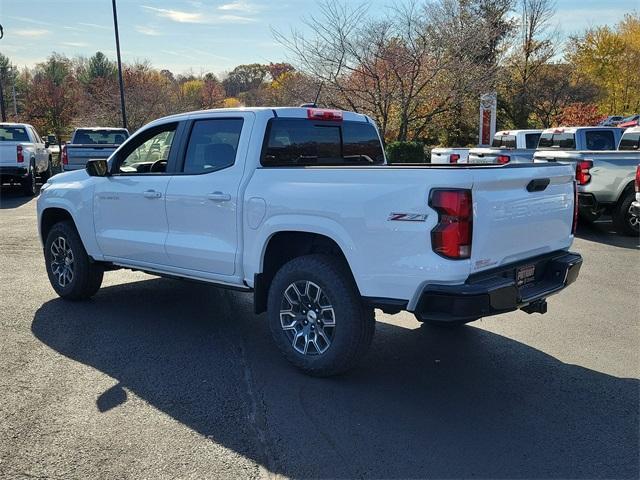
<point x="157" y="378"/>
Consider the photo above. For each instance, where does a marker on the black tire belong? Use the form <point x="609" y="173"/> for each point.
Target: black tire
<point x="354" y="322"/>
<point x="86" y="276"/>
<point x="29" y="182"/>
<point x="46" y="175"/>
<point x="623" y="220"/>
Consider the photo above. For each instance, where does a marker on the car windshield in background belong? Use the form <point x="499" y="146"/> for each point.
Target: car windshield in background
<point x="300" y="142"/>
<point x="13" y="134"/>
<point x="563" y="140"/>
<point x="100" y="137"/>
<point x="504" y="141"/>
<point x="531" y="140"/>
<point x="630" y="141"/>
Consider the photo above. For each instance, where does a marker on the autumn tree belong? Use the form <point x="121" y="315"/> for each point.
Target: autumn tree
<point x="610" y="58"/>
<point x="534" y="48"/>
<point x="52" y="95"/>
<point x="244" y="78"/>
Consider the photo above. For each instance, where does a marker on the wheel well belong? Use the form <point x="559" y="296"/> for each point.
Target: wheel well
<point x="285" y="246"/>
<point x="629" y="188"/>
<point x="50" y="217"/>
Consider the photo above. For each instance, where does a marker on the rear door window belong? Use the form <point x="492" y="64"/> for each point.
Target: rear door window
<point x="213" y="145"/>
<point x="301" y="142"/>
<point x="531" y="140"/>
<point x="630" y="141"/>
<point x="600" y="140"/>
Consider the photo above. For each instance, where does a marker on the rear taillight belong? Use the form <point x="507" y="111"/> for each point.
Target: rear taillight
<point x="454" y="158"/>
<point x="582" y="172"/>
<point x="574" y="226"/>
<point x="64" y="156"/>
<point x="324" y="114"/>
<point x="637" y="182"/>
<point x="502" y="159"/>
<point x="451" y="237"/>
<point x="19" y="154"/>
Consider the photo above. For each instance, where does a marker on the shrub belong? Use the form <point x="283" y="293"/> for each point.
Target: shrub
<point x="405" y="152"/>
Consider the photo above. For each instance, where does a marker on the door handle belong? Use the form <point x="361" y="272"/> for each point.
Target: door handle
<point x="219" y="197"/>
<point x="152" y="194"/>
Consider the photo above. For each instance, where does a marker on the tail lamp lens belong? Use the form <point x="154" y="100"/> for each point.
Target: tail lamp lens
<point x="574" y="226"/>
<point x="582" y="172"/>
<point x="65" y="156"/>
<point x="324" y="114"/>
<point x="637" y="182"/>
<point x="19" y="154"/>
<point x="502" y="159"/>
<point x="454" y="158"/>
<point x="451" y="237"/>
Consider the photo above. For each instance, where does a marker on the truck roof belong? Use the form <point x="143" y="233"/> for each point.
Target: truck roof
<point x="632" y="130"/>
<point x="516" y="132"/>
<point x="13" y="124"/>
<point x="100" y="128"/>
<point x="575" y="129"/>
<point x="286" y="112"/>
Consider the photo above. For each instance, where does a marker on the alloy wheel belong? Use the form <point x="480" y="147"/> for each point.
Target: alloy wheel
<point x="62" y="265"/>
<point x="307" y="318"/>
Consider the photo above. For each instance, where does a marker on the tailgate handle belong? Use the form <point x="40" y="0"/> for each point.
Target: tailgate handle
<point x="538" y="184"/>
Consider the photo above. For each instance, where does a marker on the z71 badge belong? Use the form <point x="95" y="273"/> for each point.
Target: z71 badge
<point x="408" y="217"/>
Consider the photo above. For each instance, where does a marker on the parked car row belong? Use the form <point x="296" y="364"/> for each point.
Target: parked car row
<point x="605" y="159"/>
<point x="25" y="156"/>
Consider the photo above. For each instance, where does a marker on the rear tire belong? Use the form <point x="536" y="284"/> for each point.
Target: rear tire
<point x="71" y="272"/>
<point x="29" y="182"/>
<point x="317" y="317"/>
<point x="624" y="222"/>
<point x="46" y="175"/>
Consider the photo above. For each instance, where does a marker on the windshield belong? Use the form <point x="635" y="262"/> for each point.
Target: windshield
<point x="13" y="134"/>
<point x="100" y="137"/>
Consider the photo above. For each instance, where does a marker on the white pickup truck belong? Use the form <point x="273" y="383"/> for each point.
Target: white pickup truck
<point x="91" y="144"/>
<point x="298" y="206"/>
<point x="23" y="156"/>
<point x="508" y="146"/>
<point x="605" y="179"/>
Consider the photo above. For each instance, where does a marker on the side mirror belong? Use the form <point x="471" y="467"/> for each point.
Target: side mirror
<point x="47" y="144"/>
<point x="98" y="168"/>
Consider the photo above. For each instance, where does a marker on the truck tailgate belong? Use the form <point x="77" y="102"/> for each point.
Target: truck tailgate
<point x="8" y="154"/>
<point x="520" y="212"/>
<point x="78" y="155"/>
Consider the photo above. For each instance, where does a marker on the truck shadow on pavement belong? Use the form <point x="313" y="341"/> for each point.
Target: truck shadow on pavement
<point x="11" y="196"/>
<point x="604" y="232"/>
<point x="424" y="403"/>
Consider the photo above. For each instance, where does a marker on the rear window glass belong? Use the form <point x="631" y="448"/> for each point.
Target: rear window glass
<point x="630" y="141"/>
<point x="13" y="134"/>
<point x="566" y="141"/>
<point x="600" y="140"/>
<point x="100" y="137"/>
<point x="531" y="140"/>
<point x="504" y="141"/>
<point x="300" y="142"/>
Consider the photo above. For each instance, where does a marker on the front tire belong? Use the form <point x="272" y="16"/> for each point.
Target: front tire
<point x="317" y="317"/>
<point x="71" y="272"/>
<point x="623" y="220"/>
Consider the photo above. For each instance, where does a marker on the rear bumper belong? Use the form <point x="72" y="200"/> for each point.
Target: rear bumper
<point x="496" y="291"/>
<point x="15" y="172"/>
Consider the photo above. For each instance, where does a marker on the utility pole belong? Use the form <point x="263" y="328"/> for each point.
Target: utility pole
<point x="122" y="103"/>
<point x="2" y="112"/>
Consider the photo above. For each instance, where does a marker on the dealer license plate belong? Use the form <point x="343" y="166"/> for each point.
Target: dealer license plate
<point x="525" y="274"/>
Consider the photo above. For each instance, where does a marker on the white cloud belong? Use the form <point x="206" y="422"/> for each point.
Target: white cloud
<point x="240" y="6"/>
<point x="75" y="44"/>
<point x="197" y="17"/>
<point x="31" y="33"/>
<point x="29" y="20"/>
<point x="177" y="15"/>
<point x="145" y="30"/>
<point x="95" y="25"/>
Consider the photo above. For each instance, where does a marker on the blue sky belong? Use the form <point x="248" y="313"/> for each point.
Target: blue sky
<point x="200" y="36"/>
